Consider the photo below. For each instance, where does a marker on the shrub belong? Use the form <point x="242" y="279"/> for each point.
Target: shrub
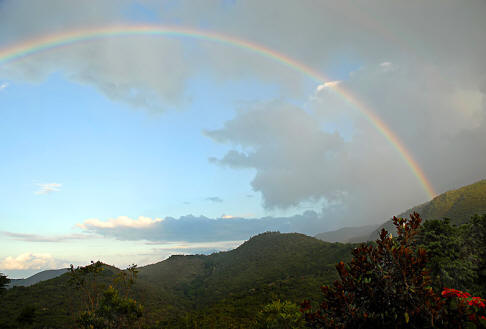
<point x="386" y="285"/>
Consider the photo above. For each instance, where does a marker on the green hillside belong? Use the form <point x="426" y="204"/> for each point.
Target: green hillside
<point x="206" y="289"/>
<point x="457" y="205"/>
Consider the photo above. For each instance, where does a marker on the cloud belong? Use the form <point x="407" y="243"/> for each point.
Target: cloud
<point x="120" y="222"/>
<point x="31" y="261"/>
<point x="202" y="229"/>
<point x="44" y="238"/>
<point x="191" y="248"/>
<point x="3" y="86"/>
<point x="226" y="216"/>
<point x="329" y="152"/>
<point x="150" y="72"/>
<point x="292" y="154"/>
<point x="387" y="66"/>
<point x="329" y="84"/>
<point x="48" y="188"/>
<point x="214" y="199"/>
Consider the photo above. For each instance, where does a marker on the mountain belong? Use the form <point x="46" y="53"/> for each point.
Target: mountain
<point x="36" y="278"/>
<point x="348" y="234"/>
<point x="457" y="205"/>
<point x="225" y="287"/>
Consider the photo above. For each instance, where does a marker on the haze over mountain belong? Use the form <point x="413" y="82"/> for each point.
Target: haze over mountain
<point x="458" y="205"/>
<point x="36" y="278"/>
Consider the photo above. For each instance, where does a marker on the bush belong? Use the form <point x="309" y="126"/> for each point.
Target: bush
<point x="280" y="315"/>
<point x="386" y="285"/>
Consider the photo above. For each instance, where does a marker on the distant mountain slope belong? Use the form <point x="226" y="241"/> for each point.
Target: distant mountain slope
<point x="266" y="267"/>
<point x="36" y="278"/>
<point x="457" y="205"/>
<point x="347" y="234"/>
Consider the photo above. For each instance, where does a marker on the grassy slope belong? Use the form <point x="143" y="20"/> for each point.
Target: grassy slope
<point x="458" y="205"/>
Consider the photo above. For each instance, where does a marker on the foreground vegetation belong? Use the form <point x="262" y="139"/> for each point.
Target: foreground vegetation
<point x="397" y="282"/>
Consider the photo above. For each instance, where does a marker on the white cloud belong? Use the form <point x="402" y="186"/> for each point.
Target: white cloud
<point x="387" y="67"/>
<point x="48" y="188"/>
<point x="225" y="216"/>
<point x="31" y="261"/>
<point x="3" y="86"/>
<point x="121" y="221"/>
<point x="327" y="85"/>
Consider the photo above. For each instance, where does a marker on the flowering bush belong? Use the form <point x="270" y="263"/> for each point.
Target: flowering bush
<point x="387" y="285"/>
<point x="461" y="310"/>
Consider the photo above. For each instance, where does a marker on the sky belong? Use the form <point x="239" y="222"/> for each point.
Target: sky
<point x="128" y="148"/>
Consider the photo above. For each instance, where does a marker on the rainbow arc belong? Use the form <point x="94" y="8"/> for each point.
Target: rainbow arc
<point x="53" y="41"/>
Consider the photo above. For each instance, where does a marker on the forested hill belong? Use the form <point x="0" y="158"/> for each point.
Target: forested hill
<point x="457" y="205"/>
<point x="223" y="287"/>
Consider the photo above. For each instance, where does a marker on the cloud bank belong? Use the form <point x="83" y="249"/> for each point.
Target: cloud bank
<point x="202" y="229"/>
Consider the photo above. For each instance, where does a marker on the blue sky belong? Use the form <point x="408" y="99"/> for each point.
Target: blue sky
<point x="115" y="160"/>
<point x="130" y="149"/>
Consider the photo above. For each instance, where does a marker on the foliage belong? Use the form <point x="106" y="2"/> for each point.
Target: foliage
<point x="450" y="263"/>
<point x="114" y="311"/>
<point x="384" y="286"/>
<point x="26" y="316"/>
<point x="108" y="309"/>
<point x="4" y="281"/>
<point x="86" y="280"/>
<point x="280" y="315"/>
<point x="475" y="242"/>
<point x="463" y="311"/>
<point x="456" y="254"/>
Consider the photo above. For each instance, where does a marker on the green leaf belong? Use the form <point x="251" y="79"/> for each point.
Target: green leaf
<point x="407" y="318"/>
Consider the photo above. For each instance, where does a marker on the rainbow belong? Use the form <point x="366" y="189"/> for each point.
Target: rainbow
<point x="53" y="41"/>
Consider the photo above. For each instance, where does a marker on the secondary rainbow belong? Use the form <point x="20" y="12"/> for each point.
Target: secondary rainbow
<point x="49" y="42"/>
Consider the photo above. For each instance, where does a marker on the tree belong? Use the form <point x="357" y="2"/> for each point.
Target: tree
<point x="4" y="281"/>
<point x="456" y="254"/>
<point x="450" y="260"/>
<point x="475" y="242"/>
<point x="26" y="316"/>
<point x="280" y="315"/>
<point x="386" y="285"/>
<point x="107" y="308"/>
